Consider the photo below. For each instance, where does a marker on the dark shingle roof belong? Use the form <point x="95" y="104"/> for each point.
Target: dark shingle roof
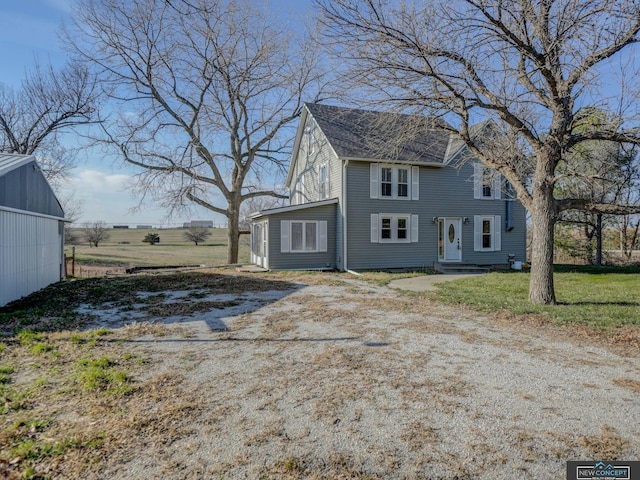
<point x="372" y="135"/>
<point x="457" y="143"/>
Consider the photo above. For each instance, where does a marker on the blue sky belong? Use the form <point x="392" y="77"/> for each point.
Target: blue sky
<point x="29" y="31"/>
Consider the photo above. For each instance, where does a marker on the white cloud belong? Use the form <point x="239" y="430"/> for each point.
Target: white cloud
<point x="109" y="197"/>
<point x="96" y="181"/>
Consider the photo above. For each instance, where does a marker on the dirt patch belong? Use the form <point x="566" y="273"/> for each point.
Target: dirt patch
<point x="316" y="377"/>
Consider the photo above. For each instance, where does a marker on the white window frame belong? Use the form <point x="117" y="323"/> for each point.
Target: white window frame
<point x="286" y="236"/>
<point x="412" y="182"/>
<point x="311" y="141"/>
<point x="378" y="221"/>
<point x="495" y="223"/>
<point x="480" y="173"/>
<point x="323" y="183"/>
<point x="300" y="187"/>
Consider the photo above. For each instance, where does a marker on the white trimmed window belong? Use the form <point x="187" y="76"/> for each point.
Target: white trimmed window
<point x="311" y="143"/>
<point x="394" y="228"/>
<point x="394" y="182"/>
<point x="323" y="182"/>
<point x="487" y="233"/>
<point x="299" y="194"/>
<point x="487" y="183"/>
<point x="303" y="236"/>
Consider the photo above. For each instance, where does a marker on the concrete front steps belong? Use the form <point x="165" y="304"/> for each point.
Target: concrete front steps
<point x="460" y="268"/>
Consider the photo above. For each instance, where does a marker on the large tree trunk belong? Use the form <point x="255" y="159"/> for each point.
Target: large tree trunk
<point x="598" y="240"/>
<point x="543" y="216"/>
<point x="541" y="288"/>
<point x="233" y="231"/>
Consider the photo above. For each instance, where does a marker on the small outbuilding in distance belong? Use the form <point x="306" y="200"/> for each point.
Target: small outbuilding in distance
<point x="31" y="229"/>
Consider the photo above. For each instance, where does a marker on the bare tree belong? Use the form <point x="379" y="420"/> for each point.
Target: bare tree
<point x="599" y="172"/>
<point x="48" y="102"/>
<point x="96" y="232"/>
<point x="72" y="207"/>
<point x="197" y="234"/>
<point x="257" y="204"/>
<point x="526" y="66"/>
<point x="208" y="92"/>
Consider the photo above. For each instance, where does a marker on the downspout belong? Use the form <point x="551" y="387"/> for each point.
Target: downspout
<point x="344" y="215"/>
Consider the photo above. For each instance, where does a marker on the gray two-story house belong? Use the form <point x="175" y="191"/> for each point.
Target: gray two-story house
<point x="375" y="190"/>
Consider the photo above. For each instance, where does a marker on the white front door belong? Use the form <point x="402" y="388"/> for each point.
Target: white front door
<point x="259" y="244"/>
<point x="452" y="233"/>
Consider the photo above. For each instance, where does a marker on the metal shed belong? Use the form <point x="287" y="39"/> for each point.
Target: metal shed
<point x="31" y="229"/>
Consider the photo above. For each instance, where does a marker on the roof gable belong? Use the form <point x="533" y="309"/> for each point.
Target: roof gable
<point x="381" y="136"/>
<point x="23" y="186"/>
<point x="11" y="161"/>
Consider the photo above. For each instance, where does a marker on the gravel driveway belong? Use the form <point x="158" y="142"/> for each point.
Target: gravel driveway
<point x="343" y="379"/>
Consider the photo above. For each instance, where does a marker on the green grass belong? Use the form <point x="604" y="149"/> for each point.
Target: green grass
<point x="597" y="297"/>
<point x="5" y="373"/>
<point x="101" y="374"/>
<point x="125" y="248"/>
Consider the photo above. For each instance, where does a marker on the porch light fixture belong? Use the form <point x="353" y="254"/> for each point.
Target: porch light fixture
<point x="434" y="219"/>
<point x="466" y="220"/>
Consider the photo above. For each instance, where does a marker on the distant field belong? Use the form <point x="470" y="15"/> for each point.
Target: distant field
<point x="125" y="248"/>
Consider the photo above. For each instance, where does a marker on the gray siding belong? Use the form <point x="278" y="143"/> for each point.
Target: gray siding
<point x="307" y="167"/>
<point x="305" y="181"/>
<point x="294" y="261"/>
<point x="444" y="192"/>
<point x="25" y="188"/>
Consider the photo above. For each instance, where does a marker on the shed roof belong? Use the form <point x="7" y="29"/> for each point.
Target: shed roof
<point x="381" y="136"/>
<point x="26" y="192"/>
<point x="11" y="161"/>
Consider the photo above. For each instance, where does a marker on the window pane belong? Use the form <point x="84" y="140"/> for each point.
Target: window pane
<point x="486" y="234"/>
<point x="386" y="182"/>
<point x="402" y="229"/>
<point x="296" y="235"/>
<point x="310" y="236"/>
<point x="386" y="228"/>
<point x="487" y="181"/>
<point x="403" y="182"/>
<point x="323" y="181"/>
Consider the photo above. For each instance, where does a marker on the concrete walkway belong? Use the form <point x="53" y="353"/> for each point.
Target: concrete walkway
<point x="428" y="283"/>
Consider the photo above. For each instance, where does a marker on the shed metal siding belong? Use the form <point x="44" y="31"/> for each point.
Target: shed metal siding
<point x="30" y="254"/>
<point x="294" y="261"/>
<point x="444" y="192"/>
<point x="26" y="188"/>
